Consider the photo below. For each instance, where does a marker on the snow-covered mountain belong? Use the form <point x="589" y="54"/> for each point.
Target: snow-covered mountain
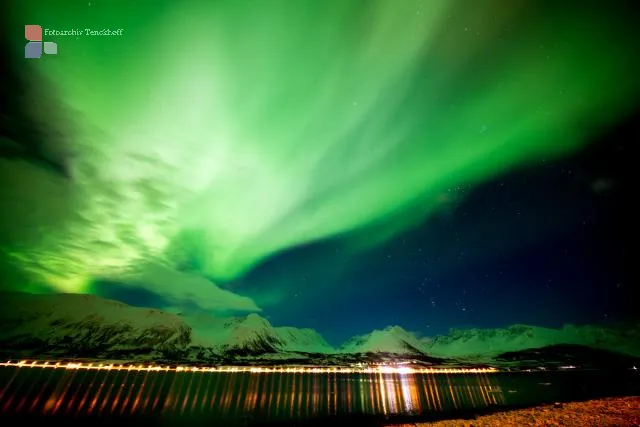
<point x="484" y="344"/>
<point x="243" y="335"/>
<point x="254" y="334"/>
<point x="491" y="342"/>
<point x="305" y="340"/>
<point x="392" y="339"/>
<point x="71" y="325"/>
<point x="87" y="326"/>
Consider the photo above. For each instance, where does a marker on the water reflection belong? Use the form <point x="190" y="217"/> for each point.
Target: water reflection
<point x="235" y="395"/>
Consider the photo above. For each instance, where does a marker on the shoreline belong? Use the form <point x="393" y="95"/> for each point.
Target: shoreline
<point x="608" y="412"/>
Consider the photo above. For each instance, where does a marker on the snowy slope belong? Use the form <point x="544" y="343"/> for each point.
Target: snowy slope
<point x="69" y="325"/>
<point x="252" y="334"/>
<point x="87" y="325"/>
<point x="490" y="342"/>
<point x="392" y="339"/>
<point x="303" y="340"/>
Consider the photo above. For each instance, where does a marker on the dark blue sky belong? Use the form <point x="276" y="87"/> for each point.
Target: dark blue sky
<point x="544" y="245"/>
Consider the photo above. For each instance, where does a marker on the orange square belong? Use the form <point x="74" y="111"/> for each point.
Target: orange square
<point x="33" y="32"/>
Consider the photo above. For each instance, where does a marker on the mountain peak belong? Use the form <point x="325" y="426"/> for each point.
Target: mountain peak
<point x="392" y="339"/>
<point x="395" y="329"/>
<point x="76" y="325"/>
<point x="303" y="340"/>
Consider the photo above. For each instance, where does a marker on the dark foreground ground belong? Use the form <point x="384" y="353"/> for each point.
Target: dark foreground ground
<point x="611" y="412"/>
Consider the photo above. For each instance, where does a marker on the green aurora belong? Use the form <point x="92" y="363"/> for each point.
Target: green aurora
<point x="217" y="134"/>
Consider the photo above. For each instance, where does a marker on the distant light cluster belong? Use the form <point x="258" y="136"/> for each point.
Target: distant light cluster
<point x="383" y="369"/>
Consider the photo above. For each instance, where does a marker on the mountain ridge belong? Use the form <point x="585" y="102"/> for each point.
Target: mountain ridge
<point x="77" y="325"/>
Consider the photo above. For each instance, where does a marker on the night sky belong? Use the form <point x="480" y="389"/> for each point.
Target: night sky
<point x="340" y="165"/>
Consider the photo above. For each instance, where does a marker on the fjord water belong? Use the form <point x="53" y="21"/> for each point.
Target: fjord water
<point x="229" y="399"/>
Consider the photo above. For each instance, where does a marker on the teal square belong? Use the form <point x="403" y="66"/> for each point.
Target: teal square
<point x="50" y="48"/>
